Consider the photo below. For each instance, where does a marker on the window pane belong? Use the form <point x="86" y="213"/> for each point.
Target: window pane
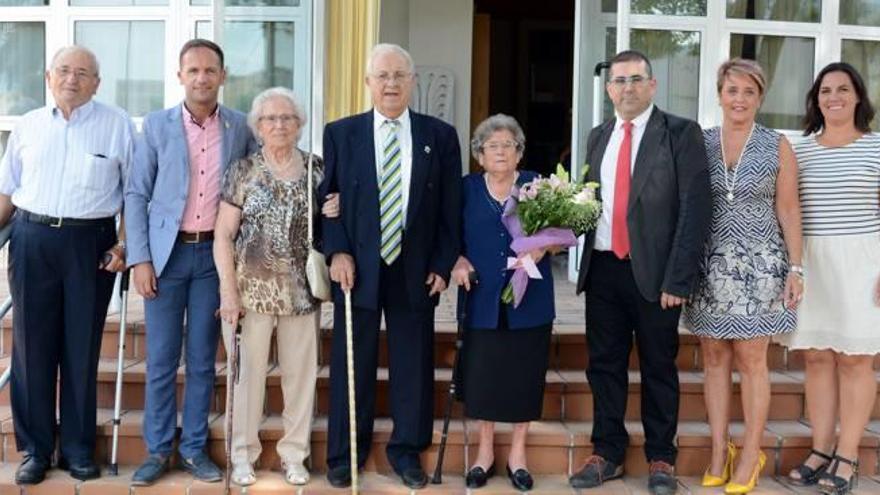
<point x="669" y="7"/>
<point x="4" y="138"/>
<point x="609" y="5"/>
<point x="610" y="50"/>
<point x="23" y="3"/>
<point x="775" y="10"/>
<point x="132" y="66"/>
<point x="865" y="57"/>
<point x="200" y="3"/>
<point x="116" y="3"/>
<point x="22" y="67"/>
<point x="860" y="12"/>
<point x="675" y="57"/>
<point x="788" y="66"/>
<point x="259" y="55"/>
<point x="204" y="30"/>
<point x="262" y="3"/>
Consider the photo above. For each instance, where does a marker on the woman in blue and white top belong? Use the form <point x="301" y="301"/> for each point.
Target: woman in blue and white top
<point x="839" y="318"/>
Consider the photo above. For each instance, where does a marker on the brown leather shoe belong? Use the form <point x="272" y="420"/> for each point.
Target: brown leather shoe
<point x="661" y="478"/>
<point x="595" y="471"/>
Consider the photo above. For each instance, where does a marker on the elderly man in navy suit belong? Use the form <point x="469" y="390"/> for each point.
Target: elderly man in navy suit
<point x="397" y="173"/>
<point x="171" y="203"/>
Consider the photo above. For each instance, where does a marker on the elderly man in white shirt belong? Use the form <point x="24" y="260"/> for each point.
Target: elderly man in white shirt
<point x="63" y="171"/>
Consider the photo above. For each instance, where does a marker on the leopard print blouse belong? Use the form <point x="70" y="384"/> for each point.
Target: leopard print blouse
<point x="272" y="246"/>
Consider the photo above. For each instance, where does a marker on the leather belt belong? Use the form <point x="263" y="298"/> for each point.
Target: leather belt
<point x="195" y="237"/>
<point x="59" y="222"/>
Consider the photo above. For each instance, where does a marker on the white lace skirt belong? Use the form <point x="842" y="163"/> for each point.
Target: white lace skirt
<point x="839" y="311"/>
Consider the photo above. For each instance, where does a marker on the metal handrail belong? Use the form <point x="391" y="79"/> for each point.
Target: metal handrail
<point x="5" y="233"/>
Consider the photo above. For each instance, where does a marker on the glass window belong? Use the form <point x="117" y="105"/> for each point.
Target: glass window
<point x="22" y="67"/>
<point x="23" y="3"/>
<point x="259" y="55"/>
<point x="775" y="10"/>
<point x="675" y="57"/>
<point x="865" y="57"/>
<point x="4" y="138"/>
<point x="132" y="70"/>
<point x="200" y="3"/>
<point x="860" y="12"/>
<point x="788" y="65"/>
<point x="610" y="51"/>
<point x="609" y="5"/>
<point x="262" y="3"/>
<point x="204" y="30"/>
<point x="116" y="3"/>
<point x="669" y="7"/>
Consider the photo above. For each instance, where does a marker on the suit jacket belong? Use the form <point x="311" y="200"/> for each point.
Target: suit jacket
<point x="669" y="208"/>
<point x="432" y="231"/>
<point x="157" y="187"/>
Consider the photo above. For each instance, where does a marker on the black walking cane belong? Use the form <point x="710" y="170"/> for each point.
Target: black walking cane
<point x="456" y="364"/>
<point x="231" y="380"/>
<point x="117" y="401"/>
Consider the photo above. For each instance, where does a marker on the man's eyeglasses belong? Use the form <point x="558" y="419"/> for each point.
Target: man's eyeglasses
<point x="397" y="77"/>
<point x="78" y="74"/>
<point x="622" y="81"/>
<point x="283" y="119"/>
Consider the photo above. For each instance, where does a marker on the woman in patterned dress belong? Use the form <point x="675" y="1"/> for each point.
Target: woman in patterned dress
<point x="749" y="281"/>
<point x="260" y="249"/>
<point x="839" y="321"/>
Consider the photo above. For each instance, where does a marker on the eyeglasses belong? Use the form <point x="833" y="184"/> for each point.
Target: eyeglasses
<point x="283" y="119"/>
<point x="621" y="81"/>
<point x="78" y="74"/>
<point x="503" y="145"/>
<point x="397" y="77"/>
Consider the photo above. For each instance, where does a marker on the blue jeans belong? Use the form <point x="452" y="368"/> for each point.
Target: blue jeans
<point x="188" y="286"/>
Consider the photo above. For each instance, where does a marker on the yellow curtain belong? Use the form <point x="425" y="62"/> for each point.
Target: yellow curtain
<point x="352" y="30"/>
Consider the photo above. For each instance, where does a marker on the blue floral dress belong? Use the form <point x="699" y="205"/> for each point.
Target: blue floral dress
<point x="742" y="274"/>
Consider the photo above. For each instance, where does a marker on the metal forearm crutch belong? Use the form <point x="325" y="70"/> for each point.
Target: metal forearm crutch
<point x="456" y="364"/>
<point x="117" y="401"/>
<point x="352" y="416"/>
<point x="232" y="375"/>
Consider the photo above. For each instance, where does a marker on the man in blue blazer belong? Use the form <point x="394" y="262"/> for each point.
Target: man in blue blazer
<point x="398" y="174"/>
<point x="171" y="202"/>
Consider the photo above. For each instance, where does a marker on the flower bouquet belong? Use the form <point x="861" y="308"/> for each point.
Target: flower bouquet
<point x="544" y="213"/>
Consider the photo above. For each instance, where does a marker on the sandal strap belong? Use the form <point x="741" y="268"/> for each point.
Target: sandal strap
<point x="823" y="455"/>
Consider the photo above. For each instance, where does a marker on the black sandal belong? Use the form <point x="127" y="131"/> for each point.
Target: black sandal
<point x="810" y="476"/>
<point x="839" y="485"/>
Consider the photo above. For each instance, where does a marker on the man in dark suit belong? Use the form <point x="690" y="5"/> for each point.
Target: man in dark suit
<point x="638" y="267"/>
<point x="398" y="174"/>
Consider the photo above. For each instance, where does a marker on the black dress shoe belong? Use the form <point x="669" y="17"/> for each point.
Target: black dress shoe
<point x="477" y="476"/>
<point x="82" y="471"/>
<point x="414" y="478"/>
<point x="339" y="477"/>
<point x="32" y="470"/>
<point x="520" y="479"/>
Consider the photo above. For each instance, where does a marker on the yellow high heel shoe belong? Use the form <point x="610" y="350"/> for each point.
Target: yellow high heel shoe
<point x="710" y="480"/>
<point x="735" y="488"/>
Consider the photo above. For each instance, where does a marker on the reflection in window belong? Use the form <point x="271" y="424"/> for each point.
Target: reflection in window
<point x="259" y="55"/>
<point x="669" y="7"/>
<point x="262" y="3"/>
<point x="23" y="3"/>
<point x="610" y="51"/>
<point x="22" y="67"/>
<point x="204" y="30"/>
<point x="200" y="3"/>
<point x="675" y="57"/>
<point x="132" y="69"/>
<point x="775" y="10"/>
<point x="116" y="3"/>
<point x="788" y="65"/>
<point x="860" y="12"/>
<point x="865" y="57"/>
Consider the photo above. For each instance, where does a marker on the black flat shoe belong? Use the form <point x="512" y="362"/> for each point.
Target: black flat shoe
<point x="31" y="471"/>
<point x="339" y="477"/>
<point x="520" y="479"/>
<point x="414" y="478"/>
<point x="82" y="471"/>
<point x="477" y="476"/>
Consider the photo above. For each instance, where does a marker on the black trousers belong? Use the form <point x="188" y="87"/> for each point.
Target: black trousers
<point x="59" y="301"/>
<point x="616" y="309"/>
<point x="410" y="336"/>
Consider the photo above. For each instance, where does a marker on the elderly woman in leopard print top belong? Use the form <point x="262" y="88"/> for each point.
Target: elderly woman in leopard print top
<point x="260" y="250"/>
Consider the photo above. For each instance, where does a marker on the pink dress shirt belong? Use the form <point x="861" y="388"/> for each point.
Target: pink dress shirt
<point x="204" y="143"/>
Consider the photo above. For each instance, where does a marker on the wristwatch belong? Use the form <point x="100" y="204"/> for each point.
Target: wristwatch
<point x="797" y="270"/>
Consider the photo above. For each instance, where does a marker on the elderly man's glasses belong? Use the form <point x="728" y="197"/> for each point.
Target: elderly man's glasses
<point x="500" y="146"/>
<point x="78" y="74"/>
<point x="397" y="77"/>
<point x="283" y="119"/>
<point x="622" y="81"/>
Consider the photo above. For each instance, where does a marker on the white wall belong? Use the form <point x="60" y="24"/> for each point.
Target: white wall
<point x="436" y="33"/>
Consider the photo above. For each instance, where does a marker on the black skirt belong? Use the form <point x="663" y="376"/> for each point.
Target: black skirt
<point x="503" y="372"/>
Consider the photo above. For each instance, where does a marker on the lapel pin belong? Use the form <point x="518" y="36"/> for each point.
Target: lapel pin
<point x="226" y="124"/>
<point x="427" y="150"/>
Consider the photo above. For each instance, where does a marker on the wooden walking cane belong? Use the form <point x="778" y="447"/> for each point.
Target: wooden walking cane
<point x="231" y="380"/>
<point x="352" y="421"/>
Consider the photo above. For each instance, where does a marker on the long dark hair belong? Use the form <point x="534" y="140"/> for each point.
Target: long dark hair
<point x="814" y="121"/>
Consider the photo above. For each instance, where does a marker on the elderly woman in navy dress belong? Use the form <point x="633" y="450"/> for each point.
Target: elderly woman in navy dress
<point x="505" y="353"/>
<point x="750" y="279"/>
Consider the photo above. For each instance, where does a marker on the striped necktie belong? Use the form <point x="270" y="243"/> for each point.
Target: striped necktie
<point x="391" y="195"/>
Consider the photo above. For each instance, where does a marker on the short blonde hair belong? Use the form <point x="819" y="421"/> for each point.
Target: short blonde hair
<point x="742" y="67"/>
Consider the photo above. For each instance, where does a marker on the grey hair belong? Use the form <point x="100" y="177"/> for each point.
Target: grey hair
<point x="495" y="123"/>
<point x="260" y="100"/>
<point x="385" y="48"/>
<point x="76" y="49"/>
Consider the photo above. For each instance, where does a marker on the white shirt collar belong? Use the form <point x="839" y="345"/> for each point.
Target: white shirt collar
<point x="640" y="120"/>
<point x="379" y="119"/>
<point x="79" y="112"/>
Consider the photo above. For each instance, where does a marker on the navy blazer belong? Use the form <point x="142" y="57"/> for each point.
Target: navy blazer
<point x="486" y="244"/>
<point x="431" y="234"/>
